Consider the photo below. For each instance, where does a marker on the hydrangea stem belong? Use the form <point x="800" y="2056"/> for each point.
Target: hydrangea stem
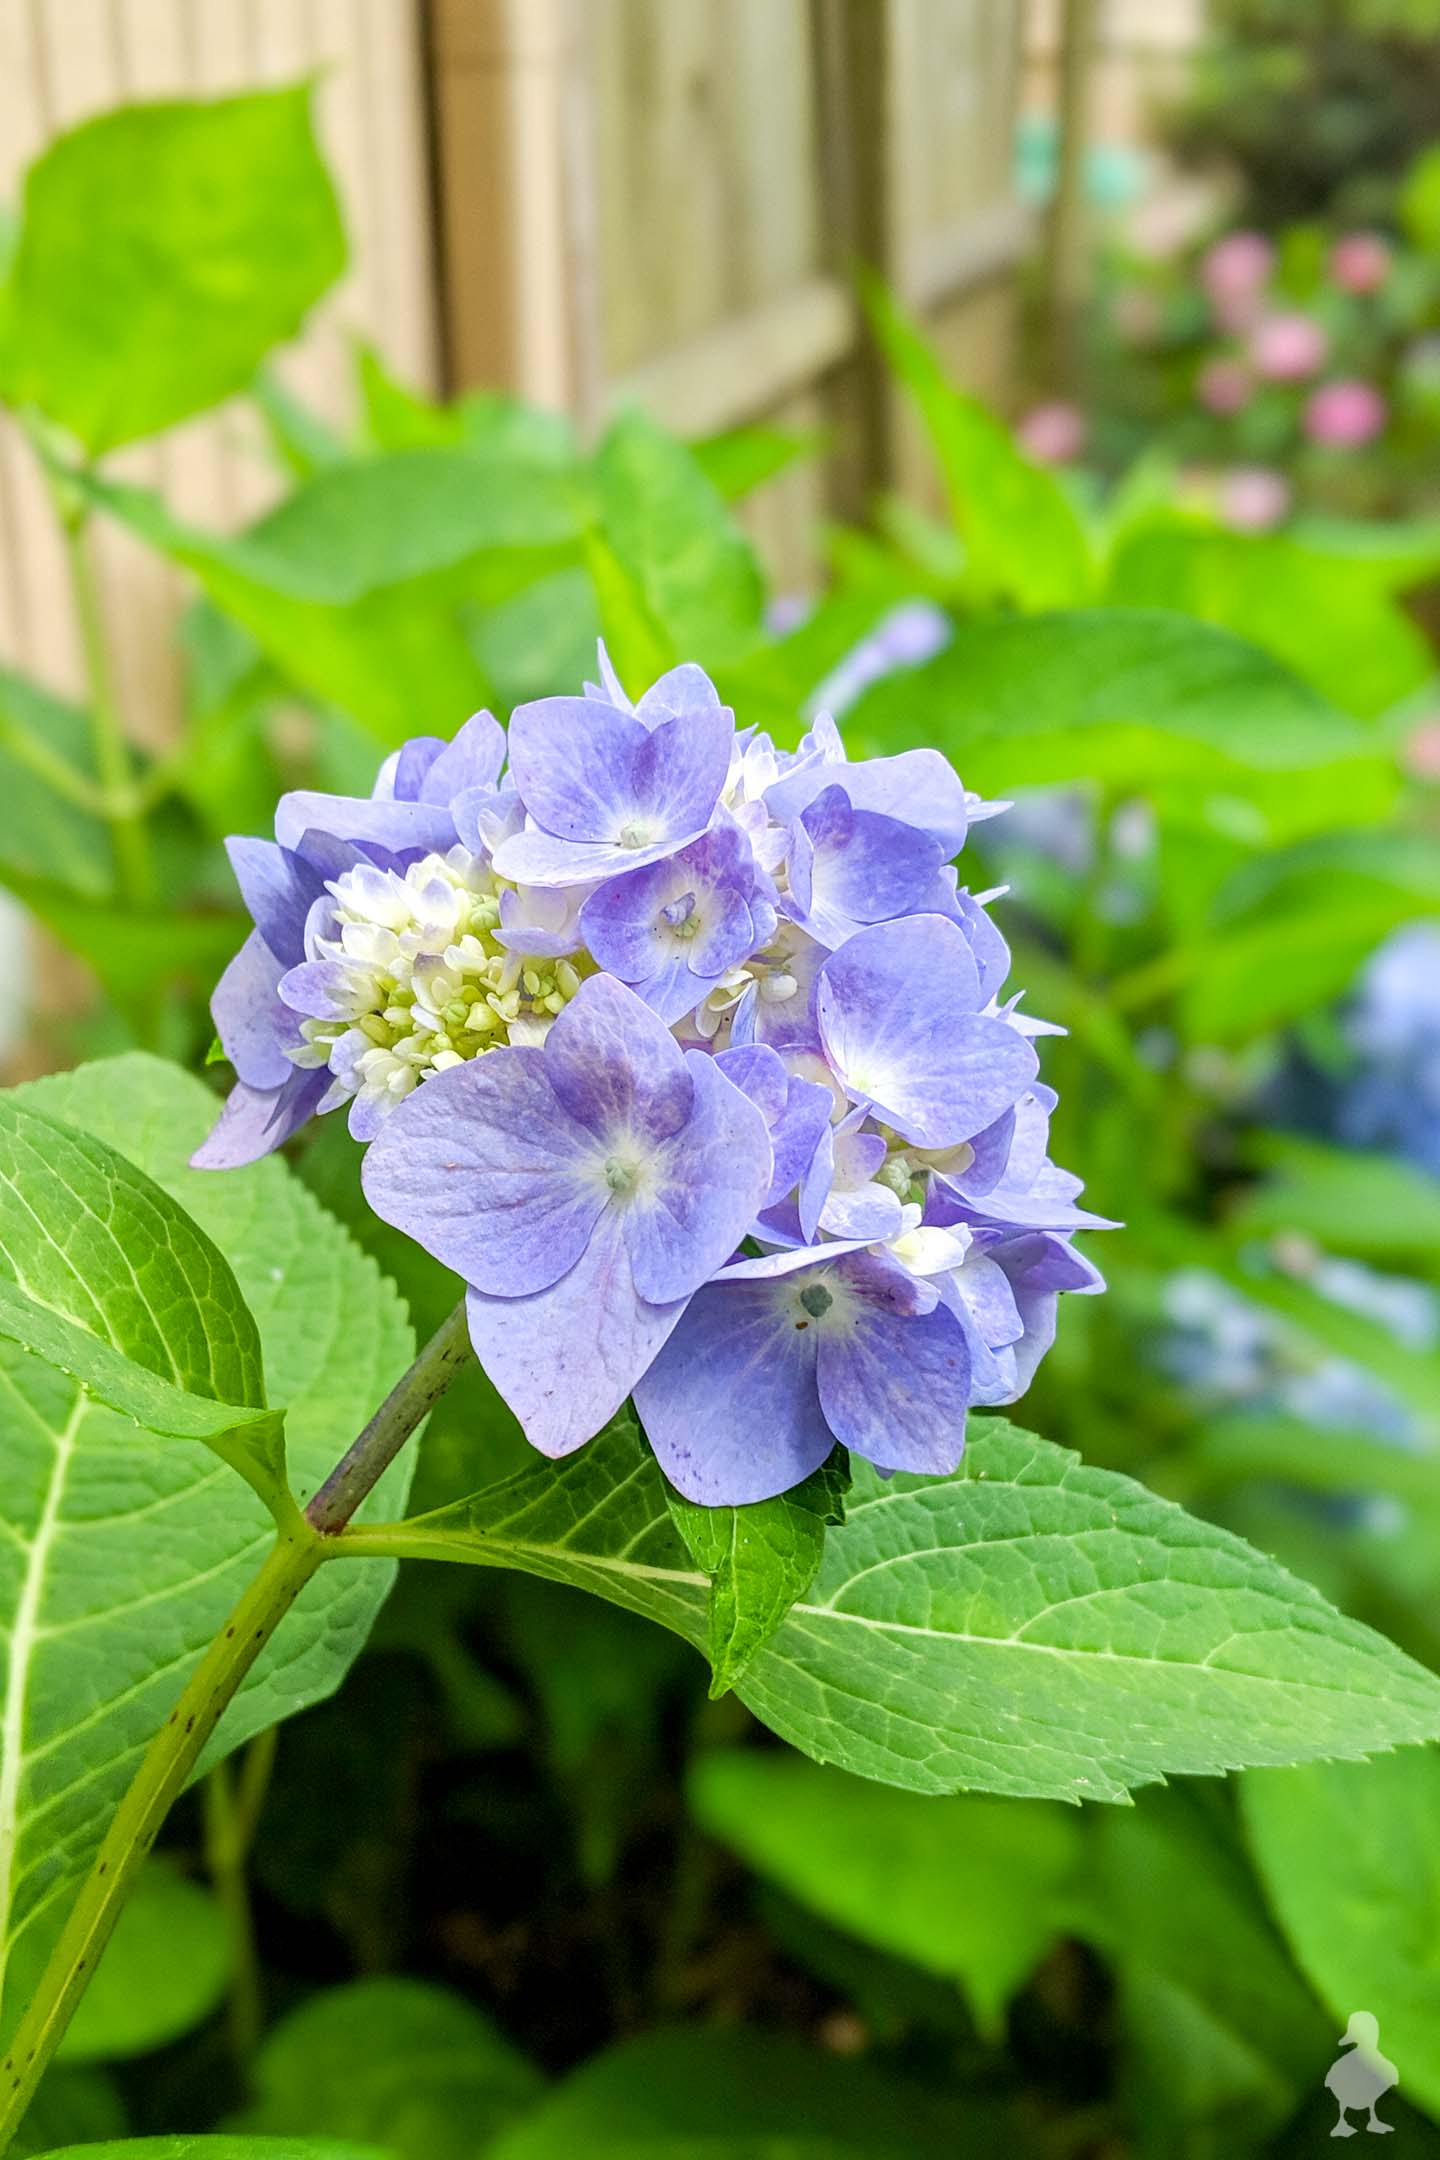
<point x="134" y="870"/>
<point x="304" y="1542"/>
<point x="412" y="1398"/>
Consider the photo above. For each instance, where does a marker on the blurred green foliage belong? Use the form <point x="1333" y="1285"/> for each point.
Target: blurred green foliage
<point x="1320" y="105"/>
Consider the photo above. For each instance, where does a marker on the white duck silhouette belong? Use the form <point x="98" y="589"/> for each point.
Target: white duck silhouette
<point x="1358" y="2080"/>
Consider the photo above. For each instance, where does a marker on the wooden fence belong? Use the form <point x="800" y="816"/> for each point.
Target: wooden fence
<point x="687" y="184"/>
<point x="587" y="200"/>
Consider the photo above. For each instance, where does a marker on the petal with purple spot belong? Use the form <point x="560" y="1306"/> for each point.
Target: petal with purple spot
<point x="730" y="1405"/>
<point x="896" y="1387"/>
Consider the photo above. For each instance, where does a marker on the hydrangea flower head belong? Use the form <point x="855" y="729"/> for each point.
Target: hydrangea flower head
<point x="690" y="1056"/>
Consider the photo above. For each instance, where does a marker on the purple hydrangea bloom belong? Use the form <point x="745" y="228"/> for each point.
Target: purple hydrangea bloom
<point x="781" y="1357"/>
<point x="900" y="1019"/>
<point x="605" y="791"/>
<point x="691" y="1057"/>
<point x="850" y="867"/>
<point x="584" y="1191"/>
<point x="672" y="928"/>
<point x="919" y="787"/>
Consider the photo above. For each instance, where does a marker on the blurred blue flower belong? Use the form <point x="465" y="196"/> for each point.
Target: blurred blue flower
<point x="1391" y="1098"/>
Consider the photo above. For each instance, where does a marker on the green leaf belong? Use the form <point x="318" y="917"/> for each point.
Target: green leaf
<point x="674" y="541"/>
<point x="966" y="1888"/>
<point x="1220" y="2030"/>
<point x="1033" y="1627"/>
<point x="120" y="1558"/>
<point x="1350" y="1858"/>
<point x="540" y="643"/>
<point x="359" y="586"/>
<point x="1419" y="203"/>
<point x="1141" y="701"/>
<point x="1024" y="540"/>
<point x="302" y="442"/>
<point x="1348" y="1200"/>
<point x="741" y="459"/>
<point x="743" y="2094"/>
<point x="105" y="1278"/>
<point x="250" y="1441"/>
<point x="134" y="951"/>
<point x="639" y="646"/>
<point x="163" y="1972"/>
<point x="222" y="2148"/>
<point x="393" y="2062"/>
<point x="71" y="2103"/>
<point x="1291" y="929"/>
<point x="397" y="418"/>
<point x="1320" y="613"/>
<point x="759" y="1559"/>
<point x="163" y="250"/>
<point x="1240" y="1448"/>
<point x="47" y="834"/>
<point x="775" y="685"/>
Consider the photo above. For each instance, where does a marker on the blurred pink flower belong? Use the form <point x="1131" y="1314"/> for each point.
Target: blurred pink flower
<point x="1253" y="498"/>
<point x="1224" y="386"/>
<point x="1360" y="262"/>
<point x="1422" y="750"/>
<point x="1288" y="347"/>
<point x="1052" y="434"/>
<point x="1344" y="415"/>
<point x="1234" y="273"/>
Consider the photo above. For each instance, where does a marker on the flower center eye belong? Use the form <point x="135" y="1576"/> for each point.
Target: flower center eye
<point x="816" y="1300"/>
<point x="619" y="1176"/>
<point x="634" y="835"/>
<point x="680" y="916"/>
